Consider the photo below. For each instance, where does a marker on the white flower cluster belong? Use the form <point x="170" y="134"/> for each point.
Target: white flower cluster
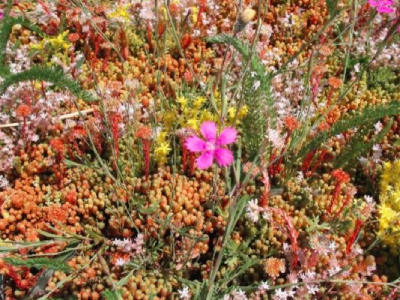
<point x="127" y="245"/>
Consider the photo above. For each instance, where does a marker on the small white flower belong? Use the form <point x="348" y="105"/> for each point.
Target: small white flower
<point x="253" y="210"/>
<point x="312" y="289"/>
<point x="293" y="277"/>
<point x="303" y="276"/>
<point x="264" y="286"/>
<point x="286" y="247"/>
<point x="85" y="28"/>
<point x="275" y="138"/>
<point x="310" y="274"/>
<point x="35" y="138"/>
<point x="363" y="161"/>
<point x="334" y="270"/>
<point x="256" y="85"/>
<point x="332" y="246"/>
<point x="267" y="215"/>
<point x="300" y="176"/>
<point x="184" y="293"/>
<point x="281" y="294"/>
<point x="239" y="295"/>
<point x="377" y="153"/>
<point x="291" y="292"/>
<point x="3" y="182"/>
<point x="357" y="68"/>
<point x="378" y="127"/>
<point x="357" y="250"/>
<point x="369" y="200"/>
<point x="120" y="262"/>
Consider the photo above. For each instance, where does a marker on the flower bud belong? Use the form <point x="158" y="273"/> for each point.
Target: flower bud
<point x="245" y="17"/>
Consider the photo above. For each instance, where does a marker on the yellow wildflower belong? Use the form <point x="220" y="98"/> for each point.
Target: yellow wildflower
<point x="120" y="13"/>
<point x="243" y="112"/>
<point x="59" y="42"/>
<point x="195" y="14"/>
<point x="182" y="101"/>
<point x="205" y="115"/>
<point x="231" y="113"/>
<point x="199" y="102"/>
<point x="193" y="123"/>
<point x="169" y="119"/>
<point x="161" y="152"/>
<point x="162" y="137"/>
<point x="389" y="210"/>
<point x="37" y="47"/>
<point x="163" y="149"/>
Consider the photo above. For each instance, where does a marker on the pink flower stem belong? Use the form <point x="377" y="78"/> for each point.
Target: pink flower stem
<point x="192" y="163"/>
<point x="315" y="82"/>
<point x="307" y="162"/>
<point x="335" y="195"/>
<point x="293" y="235"/>
<point x="349" y="196"/>
<point x="146" y="153"/>
<point x="184" y="154"/>
<point x="320" y="159"/>
<point x="354" y="235"/>
<point x="267" y="186"/>
<point x="329" y="97"/>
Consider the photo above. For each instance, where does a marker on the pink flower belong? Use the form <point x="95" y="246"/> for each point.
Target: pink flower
<point x="382" y="6"/>
<point x="211" y="149"/>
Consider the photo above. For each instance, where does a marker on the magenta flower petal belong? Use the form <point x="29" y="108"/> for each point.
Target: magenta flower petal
<point x="385" y="10"/>
<point x="223" y="156"/>
<point x="373" y="3"/>
<point x="209" y="131"/>
<point x="195" y="144"/>
<point x="227" y="136"/>
<point x="205" y="160"/>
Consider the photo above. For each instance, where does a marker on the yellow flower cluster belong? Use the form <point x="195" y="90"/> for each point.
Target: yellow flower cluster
<point x="162" y="148"/>
<point x="56" y="43"/>
<point x="193" y="113"/>
<point x="389" y="210"/>
<point x="233" y="112"/>
<point x="120" y="13"/>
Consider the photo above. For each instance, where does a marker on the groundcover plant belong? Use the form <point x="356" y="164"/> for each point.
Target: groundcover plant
<point x="199" y="149"/>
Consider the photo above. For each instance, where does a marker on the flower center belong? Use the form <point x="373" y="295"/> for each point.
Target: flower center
<point x="210" y="146"/>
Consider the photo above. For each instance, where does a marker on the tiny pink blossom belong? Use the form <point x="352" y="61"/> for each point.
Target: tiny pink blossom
<point x="211" y="148"/>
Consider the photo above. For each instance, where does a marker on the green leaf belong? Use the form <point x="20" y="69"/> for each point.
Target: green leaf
<point x="255" y="99"/>
<point x="243" y="268"/>
<point x="111" y="295"/>
<point x="357" y="147"/>
<point x="125" y="280"/>
<point x="367" y="115"/>
<point x="54" y="75"/>
<point x="39" y="263"/>
<point x="79" y="63"/>
<point x="353" y="147"/>
<point x="332" y="6"/>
